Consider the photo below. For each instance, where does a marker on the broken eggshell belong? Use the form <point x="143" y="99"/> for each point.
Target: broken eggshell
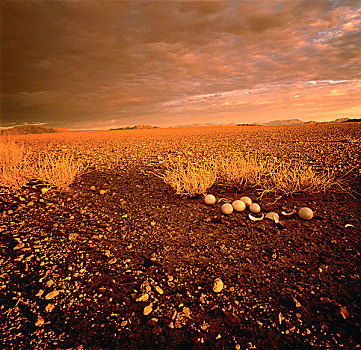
<point x="253" y="218"/>
<point x="288" y="214"/>
<point x="273" y="216"/>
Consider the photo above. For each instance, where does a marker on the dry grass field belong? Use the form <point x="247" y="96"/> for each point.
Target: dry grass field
<point x="107" y="243"/>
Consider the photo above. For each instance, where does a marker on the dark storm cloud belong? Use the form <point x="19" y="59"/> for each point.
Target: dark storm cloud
<point x="102" y="64"/>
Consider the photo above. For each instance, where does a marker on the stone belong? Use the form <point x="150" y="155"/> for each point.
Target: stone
<point x="217" y="285"/>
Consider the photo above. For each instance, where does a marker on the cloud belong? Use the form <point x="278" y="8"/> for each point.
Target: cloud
<point x="78" y="63"/>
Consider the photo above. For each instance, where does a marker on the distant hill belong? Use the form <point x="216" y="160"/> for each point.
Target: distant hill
<point x="348" y="120"/>
<point x="136" y="127"/>
<point x="31" y="129"/>
<point x="285" y="122"/>
<point x="353" y="120"/>
<point x="298" y="121"/>
<point x="341" y="120"/>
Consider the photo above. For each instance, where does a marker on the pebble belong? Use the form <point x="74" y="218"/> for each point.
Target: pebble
<point x="145" y="287"/>
<point x="159" y="290"/>
<point x="49" y="307"/>
<point x="39" y="322"/>
<point x="52" y="294"/>
<point x="152" y="322"/>
<point x="102" y="191"/>
<point x="217" y="285"/>
<point x="92" y="188"/>
<point x="148" y="309"/>
<point x="143" y="297"/>
<point x="157" y="330"/>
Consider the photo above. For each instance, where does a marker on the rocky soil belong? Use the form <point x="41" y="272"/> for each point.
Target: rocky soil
<point x="134" y="268"/>
<point x="121" y="262"/>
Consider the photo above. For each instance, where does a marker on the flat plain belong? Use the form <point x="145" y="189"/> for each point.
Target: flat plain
<point x="119" y="260"/>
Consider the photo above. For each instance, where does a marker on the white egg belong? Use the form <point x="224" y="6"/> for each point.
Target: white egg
<point x="210" y="199"/>
<point x="239" y="205"/>
<point x="247" y="200"/>
<point x="254" y="208"/>
<point x="227" y="208"/>
<point x="305" y="213"/>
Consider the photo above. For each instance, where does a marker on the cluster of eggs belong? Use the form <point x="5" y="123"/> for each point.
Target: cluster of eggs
<point x="241" y="204"/>
<point x="237" y="205"/>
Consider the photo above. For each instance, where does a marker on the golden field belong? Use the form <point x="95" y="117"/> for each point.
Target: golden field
<point x="276" y="160"/>
<point x="107" y="242"/>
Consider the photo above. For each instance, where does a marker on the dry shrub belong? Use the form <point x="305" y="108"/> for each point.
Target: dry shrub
<point x="14" y="164"/>
<point x="241" y="172"/>
<point x="17" y="166"/>
<point x="58" y="170"/>
<point x="190" y="178"/>
<point x="273" y="177"/>
<point x="288" y="179"/>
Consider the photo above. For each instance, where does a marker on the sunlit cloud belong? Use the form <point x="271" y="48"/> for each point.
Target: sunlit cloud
<point x="169" y="63"/>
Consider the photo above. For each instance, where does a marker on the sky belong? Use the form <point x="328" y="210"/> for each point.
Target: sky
<point x="107" y="64"/>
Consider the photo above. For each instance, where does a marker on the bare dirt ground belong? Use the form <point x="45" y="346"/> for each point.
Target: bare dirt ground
<point x="133" y="268"/>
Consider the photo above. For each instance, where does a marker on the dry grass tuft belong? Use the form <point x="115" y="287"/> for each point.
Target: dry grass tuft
<point x="58" y="170"/>
<point x="188" y="178"/>
<point x="287" y="179"/>
<point x="14" y="164"/>
<point x="240" y="172"/>
<point x="17" y="166"/>
<point x="268" y="177"/>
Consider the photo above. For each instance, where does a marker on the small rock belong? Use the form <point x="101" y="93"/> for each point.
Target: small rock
<point x="217" y="285"/>
<point x="157" y="330"/>
<point x="52" y="294"/>
<point x="39" y="321"/>
<point x="112" y="261"/>
<point x="40" y="293"/>
<point x="159" y="290"/>
<point x="152" y="322"/>
<point x="102" y="191"/>
<point x="73" y="236"/>
<point x="44" y="190"/>
<point x="30" y="204"/>
<point x="170" y="278"/>
<point x="92" y="188"/>
<point x="143" y="297"/>
<point x="148" y="309"/>
<point x="145" y="287"/>
<point x="49" y="283"/>
<point x="49" y="307"/>
<point x="344" y="312"/>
